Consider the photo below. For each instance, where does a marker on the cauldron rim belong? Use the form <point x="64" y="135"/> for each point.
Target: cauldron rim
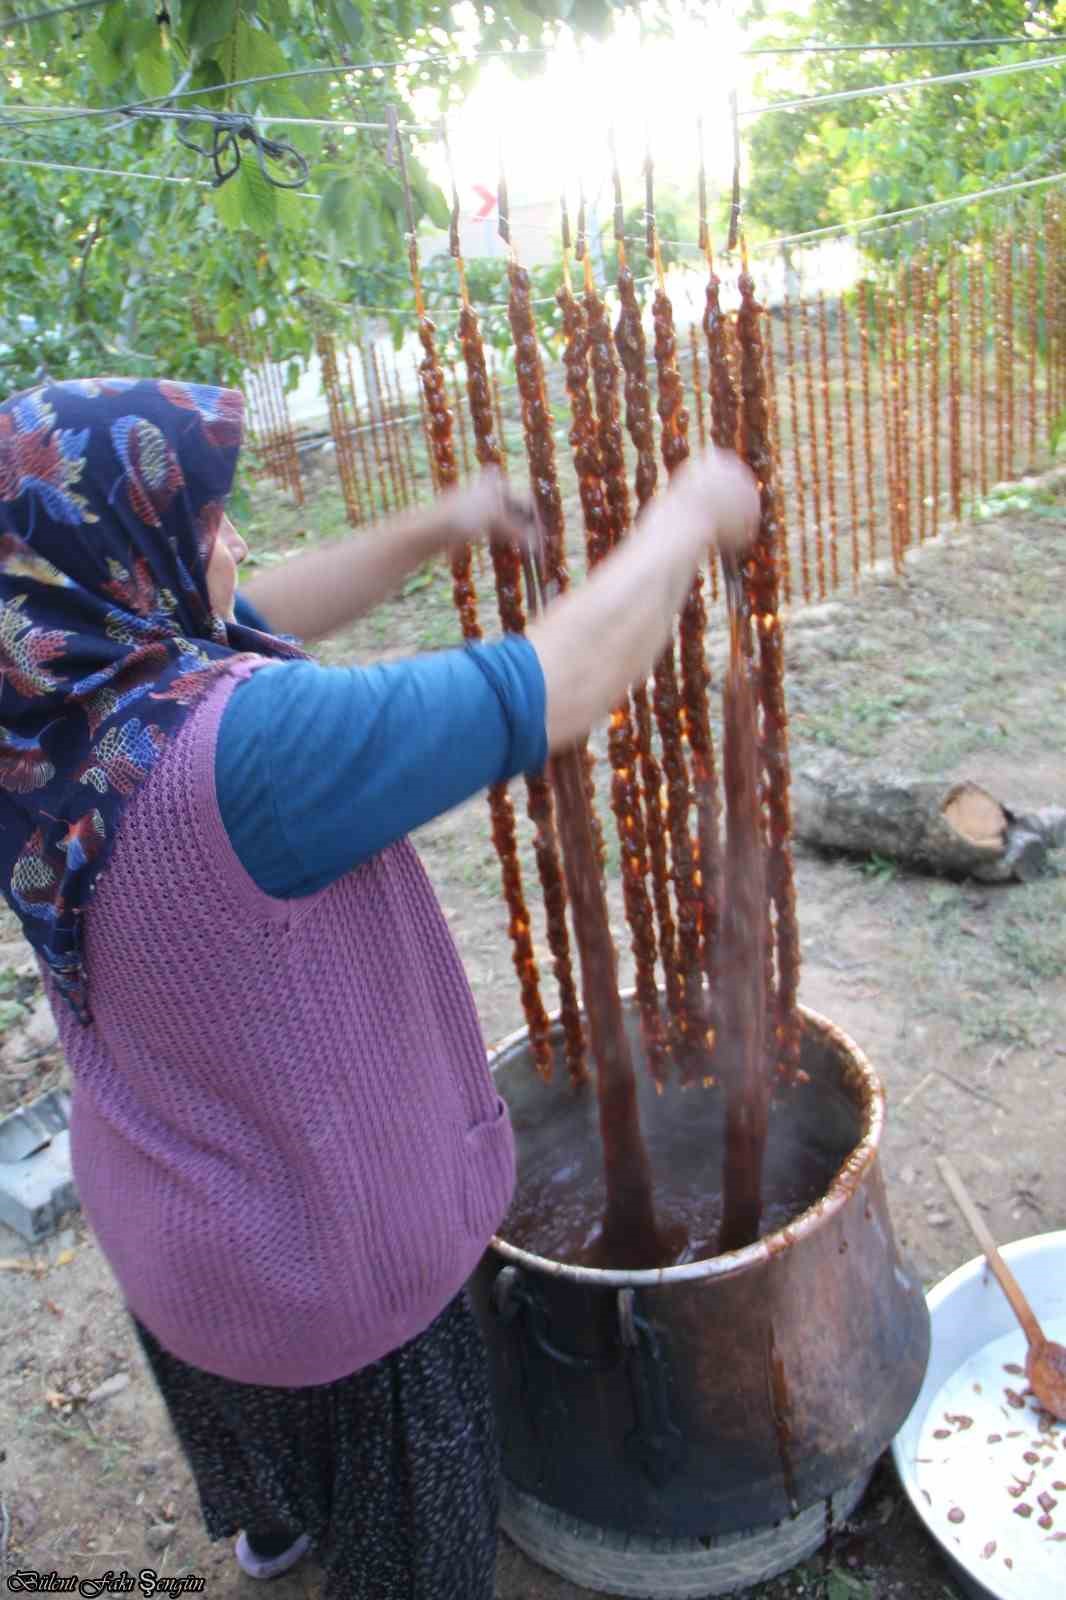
<point x="843" y="1188"/>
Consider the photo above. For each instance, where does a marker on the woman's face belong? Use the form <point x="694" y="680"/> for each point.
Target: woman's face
<point x="227" y="553"/>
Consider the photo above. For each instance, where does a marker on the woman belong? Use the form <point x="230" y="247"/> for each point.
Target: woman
<point x="284" y="1133"/>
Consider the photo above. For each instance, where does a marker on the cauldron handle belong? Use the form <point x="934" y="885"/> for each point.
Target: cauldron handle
<point x="655" y="1444"/>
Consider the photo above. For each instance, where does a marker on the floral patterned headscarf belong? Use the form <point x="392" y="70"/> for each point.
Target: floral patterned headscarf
<point x="111" y="495"/>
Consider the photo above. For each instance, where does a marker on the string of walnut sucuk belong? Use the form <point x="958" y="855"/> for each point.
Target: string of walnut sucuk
<point x="384" y="410"/>
<point x="917" y="277"/>
<point x="849" y="436"/>
<point x="411" y="488"/>
<point x="933" y="341"/>
<point x="540" y="451"/>
<point x="359" y="434"/>
<point x="589" y="487"/>
<point x="678" y="970"/>
<point x="507" y="568"/>
<point x="899" y="491"/>
<point x="760" y="569"/>
<point x="784" y="557"/>
<point x="1007" y="268"/>
<point x="375" y="433"/>
<point x="868" y="428"/>
<point x="954" y="391"/>
<point x="797" y="450"/>
<point x="812" y="428"/>
<point x="586" y="444"/>
<point x="697" y="910"/>
<point x="326" y="349"/>
<point x="1032" y="285"/>
<point x="1050" y="315"/>
<point x="830" y="462"/>
<point x="903" y="320"/>
<point x="606" y="381"/>
<point x="634" y="765"/>
<point x="980" y="341"/>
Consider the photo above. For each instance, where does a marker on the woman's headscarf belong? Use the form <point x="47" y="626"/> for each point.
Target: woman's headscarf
<point x="111" y="495"/>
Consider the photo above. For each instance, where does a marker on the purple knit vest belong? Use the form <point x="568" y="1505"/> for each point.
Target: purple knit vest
<point x="284" y="1132"/>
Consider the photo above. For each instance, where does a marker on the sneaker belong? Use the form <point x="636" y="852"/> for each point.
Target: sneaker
<point x="269" y="1566"/>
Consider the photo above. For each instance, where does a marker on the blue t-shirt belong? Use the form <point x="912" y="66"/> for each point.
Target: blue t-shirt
<point x="317" y="768"/>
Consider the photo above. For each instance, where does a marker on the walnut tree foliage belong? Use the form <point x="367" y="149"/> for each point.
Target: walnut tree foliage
<point x="860" y="158"/>
<point x="104" y="273"/>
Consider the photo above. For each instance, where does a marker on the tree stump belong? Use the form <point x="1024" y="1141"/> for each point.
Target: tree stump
<point x="957" y="829"/>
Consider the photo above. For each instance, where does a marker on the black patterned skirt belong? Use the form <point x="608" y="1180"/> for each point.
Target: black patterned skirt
<point x="391" y="1472"/>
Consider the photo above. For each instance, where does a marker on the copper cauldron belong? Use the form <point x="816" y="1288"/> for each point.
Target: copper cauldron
<point x="719" y="1395"/>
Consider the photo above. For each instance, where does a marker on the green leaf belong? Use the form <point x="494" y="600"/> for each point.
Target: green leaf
<point x="154" y="71"/>
<point x="259" y="209"/>
<point x="228" y="204"/>
<point x="257" y="52"/>
<point x="349" y="20"/>
<point x="209" y="23"/>
<point x="337" y="210"/>
<point x="430" y="197"/>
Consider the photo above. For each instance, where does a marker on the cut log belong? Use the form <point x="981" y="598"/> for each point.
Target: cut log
<point x="957" y="829"/>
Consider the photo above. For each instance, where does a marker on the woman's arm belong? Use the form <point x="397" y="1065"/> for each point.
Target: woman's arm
<point x="594" y="641"/>
<point x="317" y="593"/>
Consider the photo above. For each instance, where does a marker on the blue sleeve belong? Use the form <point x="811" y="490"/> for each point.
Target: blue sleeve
<point x="248" y="616"/>
<point x="317" y="768"/>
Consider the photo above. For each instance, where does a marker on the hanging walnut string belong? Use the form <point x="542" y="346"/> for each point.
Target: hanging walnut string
<point x="629" y="342"/>
<point x="359" y="434"/>
<point x="690" y="870"/>
<point x="630" y="1236"/>
<point x="784" y="559"/>
<point x="863" y="297"/>
<point x="426" y="433"/>
<point x="1007" y="268"/>
<point x="1032" y="291"/>
<point x="1051" y="312"/>
<point x="896" y="454"/>
<point x="849" y="438"/>
<point x="933" y="342"/>
<point x="761" y="576"/>
<point x="540" y="451"/>
<point x="621" y="744"/>
<point x="507" y="568"/>
<point x="326" y="349"/>
<point x="388" y="431"/>
<point x="830" y="463"/>
<point x="586" y="459"/>
<point x="501" y="437"/>
<point x="797" y="448"/>
<point x="639" y="818"/>
<point x="697" y="384"/>
<point x="917" y="282"/>
<point x="981" y="314"/>
<point x="954" y="391"/>
<point x="374" y="430"/>
<point x="812" y="441"/>
<point x="903" y="300"/>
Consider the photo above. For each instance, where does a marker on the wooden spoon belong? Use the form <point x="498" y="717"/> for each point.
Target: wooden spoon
<point x="1045" y="1363"/>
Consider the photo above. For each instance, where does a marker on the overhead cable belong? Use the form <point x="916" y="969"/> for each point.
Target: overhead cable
<point x="904" y="85"/>
<point x="156" y="107"/>
<point x="53" y="11"/>
<point x="861" y="224"/>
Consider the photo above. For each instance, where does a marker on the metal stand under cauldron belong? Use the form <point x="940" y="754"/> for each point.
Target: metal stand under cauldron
<point x="692" y="1431"/>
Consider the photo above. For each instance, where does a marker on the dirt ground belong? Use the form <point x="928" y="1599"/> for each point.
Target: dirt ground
<point x="956" y="992"/>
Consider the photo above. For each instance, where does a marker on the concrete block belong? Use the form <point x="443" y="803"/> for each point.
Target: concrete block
<point x="36" y="1186"/>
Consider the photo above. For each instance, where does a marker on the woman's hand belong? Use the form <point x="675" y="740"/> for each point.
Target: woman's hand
<point x="487" y="509"/>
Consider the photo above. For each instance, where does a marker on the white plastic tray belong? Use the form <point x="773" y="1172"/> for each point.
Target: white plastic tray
<point x="976" y="1447"/>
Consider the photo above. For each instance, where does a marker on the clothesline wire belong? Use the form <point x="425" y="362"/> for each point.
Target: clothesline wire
<point x="53" y="11"/>
<point x="147" y="107"/>
<point x="134" y="114"/>
<point x="838" y="96"/>
<point x="855" y="225"/>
